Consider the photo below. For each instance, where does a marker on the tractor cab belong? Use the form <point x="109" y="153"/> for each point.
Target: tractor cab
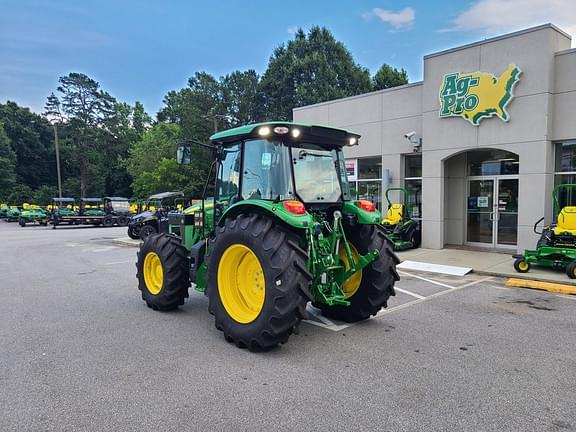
<point x="300" y="167"/>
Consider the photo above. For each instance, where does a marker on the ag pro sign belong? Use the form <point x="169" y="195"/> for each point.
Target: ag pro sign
<point x="478" y="95"/>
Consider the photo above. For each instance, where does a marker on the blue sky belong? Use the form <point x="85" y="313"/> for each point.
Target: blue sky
<point x="141" y="49"/>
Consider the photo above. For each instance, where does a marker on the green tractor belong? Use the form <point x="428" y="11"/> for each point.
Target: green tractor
<point x="282" y="230"/>
<point x="398" y="225"/>
<point x="33" y="214"/>
<point x="557" y="245"/>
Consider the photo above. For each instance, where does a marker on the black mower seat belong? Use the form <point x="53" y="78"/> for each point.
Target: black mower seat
<point x="566" y="221"/>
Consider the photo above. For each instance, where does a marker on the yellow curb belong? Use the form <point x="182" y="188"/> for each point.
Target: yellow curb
<point x="546" y="286"/>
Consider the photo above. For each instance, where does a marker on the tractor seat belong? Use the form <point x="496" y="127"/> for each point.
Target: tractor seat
<point x="394" y="214"/>
<point x="566" y="221"/>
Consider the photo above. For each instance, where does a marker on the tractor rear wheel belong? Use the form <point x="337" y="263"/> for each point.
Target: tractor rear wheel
<point x="162" y="272"/>
<point x="257" y="282"/>
<point x="368" y="293"/>
<point x="21" y="222"/>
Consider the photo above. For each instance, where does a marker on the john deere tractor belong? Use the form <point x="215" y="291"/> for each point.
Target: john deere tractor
<point x="282" y="230"/>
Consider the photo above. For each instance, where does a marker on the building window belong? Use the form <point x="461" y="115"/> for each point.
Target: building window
<point x="565" y="171"/>
<point x="365" y="179"/>
<point x="413" y="184"/>
<point x="492" y="162"/>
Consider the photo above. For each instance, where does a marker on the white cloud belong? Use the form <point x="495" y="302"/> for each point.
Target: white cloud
<point x="293" y="29"/>
<point x="398" y="19"/>
<point x="502" y="16"/>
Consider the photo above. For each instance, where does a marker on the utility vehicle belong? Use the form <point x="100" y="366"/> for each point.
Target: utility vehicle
<point x="32" y="213"/>
<point x="155" y="218"/>
<point x="282" y="230"/>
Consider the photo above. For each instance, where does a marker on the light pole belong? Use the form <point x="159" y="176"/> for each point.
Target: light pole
<point x="57" y="148"/>
<point x="215" y="117"/>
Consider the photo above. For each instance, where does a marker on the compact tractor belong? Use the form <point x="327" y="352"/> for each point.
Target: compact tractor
<point x="557" y="245"/>
<point x="282" y="230"/>
<point x="398" y="225"/>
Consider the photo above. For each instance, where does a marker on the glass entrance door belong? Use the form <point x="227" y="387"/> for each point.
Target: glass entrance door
<point x="507" y="212"/>
<point x="492" y="212"/>
<point x="480" y="225"/>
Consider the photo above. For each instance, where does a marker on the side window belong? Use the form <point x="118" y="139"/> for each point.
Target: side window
<point x="266" y="171"/>
<point x="230" y="173"/>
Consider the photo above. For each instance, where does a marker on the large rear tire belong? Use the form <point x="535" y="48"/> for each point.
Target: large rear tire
<point x="257" y="282"/>
<point x="163" y="272"/>
<point x="377" y="279"/>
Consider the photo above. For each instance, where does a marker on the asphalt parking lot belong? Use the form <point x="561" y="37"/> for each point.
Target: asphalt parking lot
<point x="80" y="351"/>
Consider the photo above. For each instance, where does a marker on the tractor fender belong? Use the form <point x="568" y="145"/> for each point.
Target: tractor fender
<point x="269" y="208"/>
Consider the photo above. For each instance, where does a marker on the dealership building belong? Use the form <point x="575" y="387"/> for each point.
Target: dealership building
<point x="479" y="143"/>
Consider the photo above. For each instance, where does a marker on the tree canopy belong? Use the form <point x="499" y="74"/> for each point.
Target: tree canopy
<point x="109" y="147"/>
<point x="387" y="77"/>
<point x="309" y="69"/>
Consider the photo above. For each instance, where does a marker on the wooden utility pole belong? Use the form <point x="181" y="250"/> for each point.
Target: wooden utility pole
<point x="57" y="148"/>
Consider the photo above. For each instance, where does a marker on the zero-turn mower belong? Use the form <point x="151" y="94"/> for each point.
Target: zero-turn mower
<point x="398" y="225"/>
<point x="557" y="245"/>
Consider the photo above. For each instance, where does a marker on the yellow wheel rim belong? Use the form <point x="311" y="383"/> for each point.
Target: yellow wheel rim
<point x="153" y="273"/>
<point x="523" y="265"/>
<point x="241" y="283"/>
<point x="353" y="282"/>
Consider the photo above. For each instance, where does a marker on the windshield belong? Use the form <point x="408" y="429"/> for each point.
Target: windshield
<point x="318" y="173"/>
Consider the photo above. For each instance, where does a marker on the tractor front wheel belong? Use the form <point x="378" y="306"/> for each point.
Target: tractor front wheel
<point x="162" y="272"/>
<point x="21" y="222"/>
<point x="368" y="292"/>
<point x="257" y="282"/>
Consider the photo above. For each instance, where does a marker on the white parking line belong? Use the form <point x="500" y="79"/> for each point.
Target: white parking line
<point x="119" y="262"/>
<point x="410" y="293"/>
<point x="427" y="280"/>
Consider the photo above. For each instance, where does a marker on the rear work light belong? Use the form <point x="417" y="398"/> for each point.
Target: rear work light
<point x="294" y="207"/>
<point x="366" y="205"/>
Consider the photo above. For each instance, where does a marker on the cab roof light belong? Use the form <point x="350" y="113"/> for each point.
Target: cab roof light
<point x="264" y="131"/>
<point x="369" y="206"/>
<point x="294" y="207"/>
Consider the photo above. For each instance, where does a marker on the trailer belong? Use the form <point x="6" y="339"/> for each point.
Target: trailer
<point x="105" y="212"/>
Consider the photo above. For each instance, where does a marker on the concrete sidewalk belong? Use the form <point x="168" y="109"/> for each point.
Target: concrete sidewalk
<point x="490" y="263"/>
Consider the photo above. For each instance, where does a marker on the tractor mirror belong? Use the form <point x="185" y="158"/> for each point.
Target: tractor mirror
<point x="184" y="154"/>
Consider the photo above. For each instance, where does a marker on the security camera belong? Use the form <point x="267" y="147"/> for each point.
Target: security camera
<point x="409" y="135"/>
